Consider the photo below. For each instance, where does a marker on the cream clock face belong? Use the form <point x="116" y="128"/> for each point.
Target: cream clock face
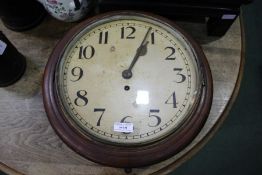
<point x="128" y="80"/>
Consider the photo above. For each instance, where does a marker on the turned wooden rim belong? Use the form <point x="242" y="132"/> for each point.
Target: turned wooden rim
<point x="118" y="156"/>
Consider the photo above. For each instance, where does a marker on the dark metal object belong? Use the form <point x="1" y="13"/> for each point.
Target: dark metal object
<point x="220" y="14"/>
<point x="21" y="15"/>
<point x="12" y="63"/>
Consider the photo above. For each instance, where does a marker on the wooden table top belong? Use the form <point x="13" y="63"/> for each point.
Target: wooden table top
<point x="28" y="143"/>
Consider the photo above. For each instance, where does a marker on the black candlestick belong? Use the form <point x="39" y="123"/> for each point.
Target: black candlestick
<point x="12" y="63"/>
<point x="19" y="15"/>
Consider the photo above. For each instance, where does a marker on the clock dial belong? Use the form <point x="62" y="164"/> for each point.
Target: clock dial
<point x="125" y="85"/>
<point x="155" y="100"/>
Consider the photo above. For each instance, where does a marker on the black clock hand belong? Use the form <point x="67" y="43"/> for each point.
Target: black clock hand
<point x="141" y="51"/>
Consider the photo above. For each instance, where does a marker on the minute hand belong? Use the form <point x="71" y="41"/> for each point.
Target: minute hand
<point x="141" y="51"/>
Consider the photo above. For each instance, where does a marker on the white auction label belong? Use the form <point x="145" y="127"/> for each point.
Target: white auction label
<point x="229" y="16"/>
<point x="123" y="127"/>
<point x="2" y="47"/>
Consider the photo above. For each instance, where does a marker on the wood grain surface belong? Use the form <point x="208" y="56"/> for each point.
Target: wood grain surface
<point x="28" y="143"/>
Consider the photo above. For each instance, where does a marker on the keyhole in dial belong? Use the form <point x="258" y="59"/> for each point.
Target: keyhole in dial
<point x="127" y="88"/>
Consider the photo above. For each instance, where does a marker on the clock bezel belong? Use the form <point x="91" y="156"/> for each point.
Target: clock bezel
<point x="116" y="155"/>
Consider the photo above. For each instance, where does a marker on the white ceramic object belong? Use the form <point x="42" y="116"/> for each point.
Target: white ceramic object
<point x="67" y="10"/>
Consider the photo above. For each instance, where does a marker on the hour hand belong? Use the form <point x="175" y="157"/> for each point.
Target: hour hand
<point x="141" y="51"/>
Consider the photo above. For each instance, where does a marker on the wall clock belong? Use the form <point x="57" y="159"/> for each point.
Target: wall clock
<point x="127" y="89"/>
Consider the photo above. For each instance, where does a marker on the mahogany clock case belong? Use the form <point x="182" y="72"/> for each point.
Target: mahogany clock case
<point x="122" y="156"/>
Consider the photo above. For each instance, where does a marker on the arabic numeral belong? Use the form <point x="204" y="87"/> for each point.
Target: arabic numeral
<point x="171" y="56"/>
<point x="172" y="100"/>
<point x="103" y="37"/>
<point x="182" y="76"/>
<point x="128" y="32"/>
<point x="152" y="114"/>
<point x="86" y="52"/>
<point x="102" y="110"/>
<point x="77" y="72"/>
<point x="81" y="99"/>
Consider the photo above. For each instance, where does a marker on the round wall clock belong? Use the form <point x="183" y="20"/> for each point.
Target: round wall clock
<point x="127" y="89"/>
